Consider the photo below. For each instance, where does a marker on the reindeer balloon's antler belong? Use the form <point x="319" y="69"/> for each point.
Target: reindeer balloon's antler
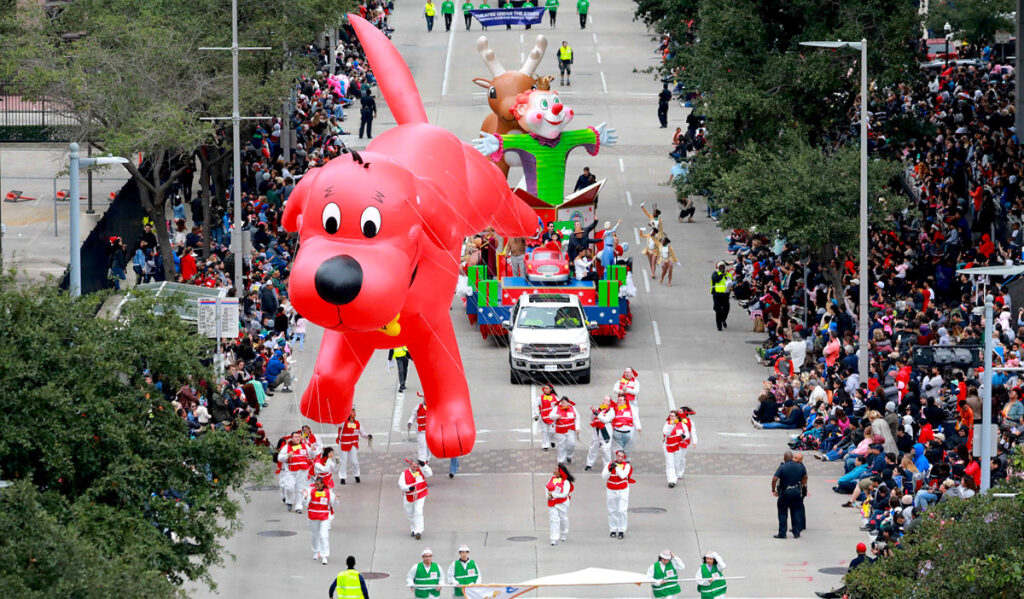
<point x="492" y="62"/>
<point x="533" y="60"/>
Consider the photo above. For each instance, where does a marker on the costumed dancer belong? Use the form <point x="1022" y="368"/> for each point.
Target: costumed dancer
<point x="463" y="571"/>
<point x="711" y="581"/>
<point x="567" y="429"/>
<point x="419" y="417"/>
<point x="559" y="494"/>
<point x="424" y="578"/>
<point x="601" y="442"/>
<point x="544" y="406"/>
<point x="653" y="249"/>
<point x="348" y="442"/>
<point x="668" y="260"/>
<point x="320" y="503"/>
<point x="672" y="438"/>
<point x="297" y="459"/>
<point x="413" y="482"/>
<point x="619" y="475"/>
<point x="665" y="571"/>
<point x="689" y="438"/>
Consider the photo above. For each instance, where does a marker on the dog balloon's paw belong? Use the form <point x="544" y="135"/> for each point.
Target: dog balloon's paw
<point x="450" y="437"/>
<point x="327" y="399"/>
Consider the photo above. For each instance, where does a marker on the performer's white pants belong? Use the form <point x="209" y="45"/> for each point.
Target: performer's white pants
<point x="547" y="433"/>
<point x="294" y="482"/>
<point x="675" y="464"/>
<point x="344" y="458"/>
<point x="599" y="445"/>
<point x="414" y="511"/>
<point x="558" y="520"/>
<point x="422" y="453"/>
<point x="318" y="533"/>
<point x="565" y="443"/>
<point x="618" y="504"/>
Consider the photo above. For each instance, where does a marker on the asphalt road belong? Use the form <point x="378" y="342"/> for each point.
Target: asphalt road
<point x="496" y="502"/>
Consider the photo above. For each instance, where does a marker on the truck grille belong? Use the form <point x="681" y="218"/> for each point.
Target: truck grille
<point x="550" y="351"/>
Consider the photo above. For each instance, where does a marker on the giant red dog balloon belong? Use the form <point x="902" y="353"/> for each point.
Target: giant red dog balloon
<point x="378" y="260"/>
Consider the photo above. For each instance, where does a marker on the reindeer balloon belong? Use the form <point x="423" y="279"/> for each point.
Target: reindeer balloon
<point x="504" y="87"/>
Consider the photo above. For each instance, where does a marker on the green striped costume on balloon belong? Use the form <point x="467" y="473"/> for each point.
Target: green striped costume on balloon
<point x="544" y="159"/>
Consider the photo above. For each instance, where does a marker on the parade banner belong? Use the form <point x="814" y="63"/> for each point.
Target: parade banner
<point x="493" y="17"/>
<point x="488" y="592"/>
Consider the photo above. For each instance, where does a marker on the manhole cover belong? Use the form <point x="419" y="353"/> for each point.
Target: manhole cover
<point x="522" y="539"/>
<point x="276" y="533"/>
<point x="374" y="575"/>
<point x="647" y="510"/>
<point x="834" y="571"/>
<point x="262" y="488"/>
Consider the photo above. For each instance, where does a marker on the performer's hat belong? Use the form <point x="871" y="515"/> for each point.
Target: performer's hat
<point x="427" y="551"/>
<point x="665" y="554"/>
<point x="464" y="548"/>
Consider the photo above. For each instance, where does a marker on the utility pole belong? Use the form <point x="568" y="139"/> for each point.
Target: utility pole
<point x="1018" y="101"/>
<point x="236" y="235"/>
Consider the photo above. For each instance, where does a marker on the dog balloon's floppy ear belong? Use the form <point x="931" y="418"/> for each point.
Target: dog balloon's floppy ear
<point x="291" y="220"/>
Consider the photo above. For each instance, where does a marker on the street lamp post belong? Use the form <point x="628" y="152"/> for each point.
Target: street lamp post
<point x="76" y="163"/>
<point x="862" y="318"/>
<point x="947" y="29"/>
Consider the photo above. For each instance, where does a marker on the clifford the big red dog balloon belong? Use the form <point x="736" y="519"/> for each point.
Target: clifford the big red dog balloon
<point x="380" y="234"/>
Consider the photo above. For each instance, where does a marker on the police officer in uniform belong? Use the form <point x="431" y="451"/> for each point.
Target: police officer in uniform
<point x="564" y="63"/>
<point x="721" y="281"/>
<point x="789" y="485"/>
<point x="349" y="584"/>
<point x="401" y="358"/>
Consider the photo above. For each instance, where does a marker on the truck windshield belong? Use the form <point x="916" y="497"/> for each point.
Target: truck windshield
<point x="536" y="317"/>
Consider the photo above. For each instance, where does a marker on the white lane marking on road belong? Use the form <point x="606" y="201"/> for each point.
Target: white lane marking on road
<point x="447" y="62"/>
<point x="522" y="36"/>
<point x="657" y="333"/>
<point x="598" y="58"/>
<point x="604" y="84"/>
<point x="734" y="434"/>
<point x="533" y="427"/>
<point x="636" y="232"/>
<point x="647" y="281"/>
<point x="396" y="415"/>
<point x="641" y="94"/>
<point x="595" y="36"/>
<point x="622" y="166"/>
<point x="629" y="200"/>
<point x="668" y="392"/>
<point x="652" y="170"/>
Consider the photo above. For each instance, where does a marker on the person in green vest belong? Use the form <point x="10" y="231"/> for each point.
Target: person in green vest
<point x="349" y="584"/>
<point x="583" y="7"/>
<point x="529" y="4"/>
<point x="425" y="577"/>
<point x="467" y="6"/>
<point x="508" y="6"/>
<point x="711" y="580"/>
<point x="665" y="572"/>
<point x="463" y="571"/>
<point x="552" y="6"/>
<point x="448" y="10"/>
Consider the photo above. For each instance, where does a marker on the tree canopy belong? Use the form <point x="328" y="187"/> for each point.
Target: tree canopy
<point x="975" y="21"/>
<point x="111" y="493"/>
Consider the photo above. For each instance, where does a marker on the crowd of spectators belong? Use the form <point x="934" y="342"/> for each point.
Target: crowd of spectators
<point x="904" y="437"/>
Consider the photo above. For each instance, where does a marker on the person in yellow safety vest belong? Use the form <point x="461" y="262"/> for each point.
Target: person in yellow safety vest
<point x="463" y="571"/>
<point x="721" y="283"/>
<point x="400" y="357"/>
<point x="666" y="572"/>
<point x="429" y="10"/>
<point x="424" y="578"/>
<point x="349" y="584"/>
<point x="564" y="63"/>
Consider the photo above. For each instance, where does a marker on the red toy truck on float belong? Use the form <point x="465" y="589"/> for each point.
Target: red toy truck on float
<point x="535" y="121"/>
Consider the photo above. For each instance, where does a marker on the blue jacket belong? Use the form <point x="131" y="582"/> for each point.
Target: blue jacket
<point x="919" y="458"/>
<point x="274" y="367"/>
<point x="855" y="475"/>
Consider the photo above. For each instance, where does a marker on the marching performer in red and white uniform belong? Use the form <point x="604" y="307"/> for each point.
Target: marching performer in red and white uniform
<point x="296" y="459"/>
<point x="311" y="440"/>
<point x="673" y="434"/>
<point x="689" y="439"/>
<point x="544" y="406"/>
<point x="413" y="482"/>
<point x="625" y="423"/>
<point x="628" y="386"/>
<point x="559" y="494"/>
<point x="324" y="466"/>
<point x="320" y="502"/>
<point x="567" y="429"/>
<point x="619" y="475"/>
<point x="600" y="423"/>
<point x="348" y="444"/>
<point x="419" y="418"/>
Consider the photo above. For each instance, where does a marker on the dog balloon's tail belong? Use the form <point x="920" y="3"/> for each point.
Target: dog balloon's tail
<point x="393" y="76"/>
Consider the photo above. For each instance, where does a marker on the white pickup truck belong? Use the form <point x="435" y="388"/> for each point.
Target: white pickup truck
<point x="548" y="337"/>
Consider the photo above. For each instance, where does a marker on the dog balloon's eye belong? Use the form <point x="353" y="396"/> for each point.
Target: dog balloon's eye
<point x="332" y="218"/>
<point x="370" y="222"/>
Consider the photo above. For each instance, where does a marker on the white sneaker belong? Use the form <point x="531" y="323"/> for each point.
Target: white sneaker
<point x="316" y="556"/>
<point x="298" y="510"/>
<point x="324" y="561"/>
<point x="563" y="538"/>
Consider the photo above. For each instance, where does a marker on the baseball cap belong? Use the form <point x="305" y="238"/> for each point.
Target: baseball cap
<point x="861" y="547"/>
<point x="427" y="551"/>
<point x="463" y="548"/>
<point x="665" y="554"/>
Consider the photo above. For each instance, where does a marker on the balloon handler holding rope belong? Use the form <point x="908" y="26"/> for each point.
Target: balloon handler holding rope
<point x="378" y="261"/>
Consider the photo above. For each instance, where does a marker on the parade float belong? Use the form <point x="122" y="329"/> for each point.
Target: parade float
<point x="528" y="127"/>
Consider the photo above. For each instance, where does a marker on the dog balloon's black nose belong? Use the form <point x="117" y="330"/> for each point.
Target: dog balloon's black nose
<point x="339" y="279"/>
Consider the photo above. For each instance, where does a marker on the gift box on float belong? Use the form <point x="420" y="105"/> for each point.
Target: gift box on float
<point x="488" y="292"/>
<point x="616" y="272"/>
<point x="608" y="292"/>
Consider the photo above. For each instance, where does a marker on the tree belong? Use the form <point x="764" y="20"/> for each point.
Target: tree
<point x="102" y="453"/>
<point x="977" y="21"/>
<point x="965" y="548"/>
<point x="137" y="83"/>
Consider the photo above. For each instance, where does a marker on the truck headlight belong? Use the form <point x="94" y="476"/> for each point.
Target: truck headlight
<point x="579" y="348"/>
<point x="517" y="348"/>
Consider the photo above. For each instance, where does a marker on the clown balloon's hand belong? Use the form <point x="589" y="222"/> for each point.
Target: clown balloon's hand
<point x="606" y="135"/>
<point x="486" y="145"/>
